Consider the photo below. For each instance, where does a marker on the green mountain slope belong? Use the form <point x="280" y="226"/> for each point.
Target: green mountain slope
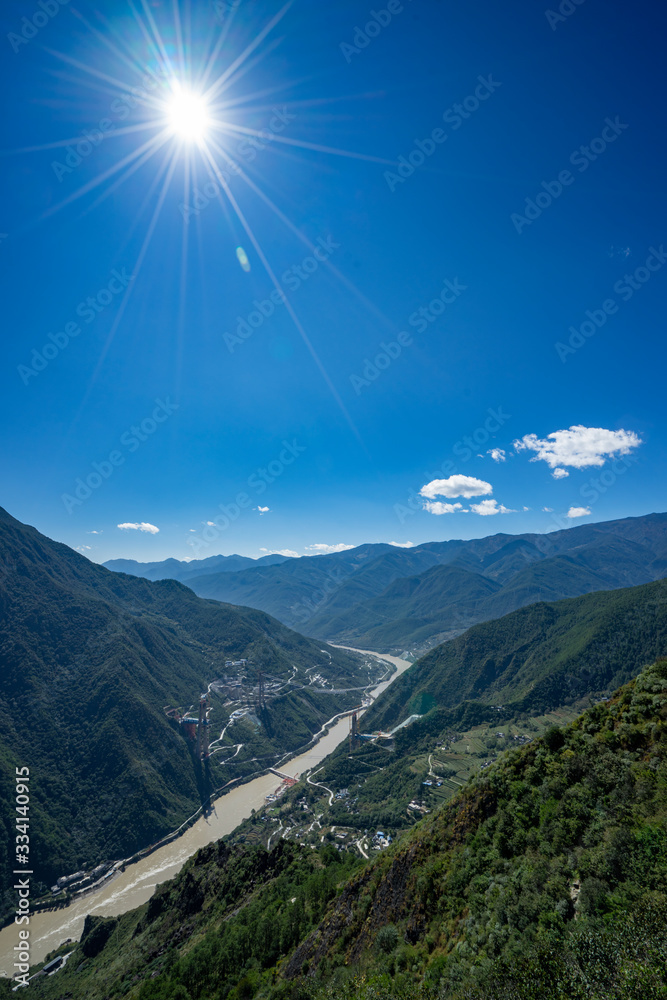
<point x="350" y="597"/>
<point x="291" y="590"/>
<point x="386" y="623"/>
<point x="565" y="656"/>
<point x="412" y="610"/>
<point x="545" y="877"/>
<point x="90" y="659"/>
<point x="537" y="658"/>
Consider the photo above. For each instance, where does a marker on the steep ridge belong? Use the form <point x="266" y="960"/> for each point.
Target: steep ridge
<point x="90" y="659"/>
<point x="601" y="562"/>
<point x="536" y="658"/>
<point x="289" y="591"/>
<point x="545" y="877"/>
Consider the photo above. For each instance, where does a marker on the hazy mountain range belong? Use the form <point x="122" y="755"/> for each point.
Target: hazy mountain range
<point x="176" y="569"/>
<point x="391" y="599"/>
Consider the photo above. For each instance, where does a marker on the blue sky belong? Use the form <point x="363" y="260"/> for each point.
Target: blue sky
<point x="182" y="379"/>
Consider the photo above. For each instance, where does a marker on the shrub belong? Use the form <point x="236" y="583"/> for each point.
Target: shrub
<point x="387" y="938"/>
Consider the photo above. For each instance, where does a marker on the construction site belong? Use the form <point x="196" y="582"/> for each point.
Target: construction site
<point x="357" y="737"/>
<point x="245" y="696"/>
<point x="287" y="782"/>
<point x="195" y="730"/>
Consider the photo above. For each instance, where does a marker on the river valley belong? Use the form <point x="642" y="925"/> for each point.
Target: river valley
<point x="135" y="885"/>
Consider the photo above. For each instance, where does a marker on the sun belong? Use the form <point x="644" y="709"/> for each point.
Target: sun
<point x="188" y="115"/>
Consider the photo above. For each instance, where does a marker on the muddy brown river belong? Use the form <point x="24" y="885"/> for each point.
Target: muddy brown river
<point x="136" y="884"/>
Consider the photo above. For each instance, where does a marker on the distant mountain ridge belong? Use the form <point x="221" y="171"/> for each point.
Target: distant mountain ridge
<point x="356" y="597"/>
<point x="182" y="569"/>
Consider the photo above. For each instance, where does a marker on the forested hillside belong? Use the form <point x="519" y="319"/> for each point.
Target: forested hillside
<point x="390" y="599"/>
<point x="90" y="659"/>
<point x="545" y="877"/>
<point x="537" y="658"/>
<point x="453" y="712"/>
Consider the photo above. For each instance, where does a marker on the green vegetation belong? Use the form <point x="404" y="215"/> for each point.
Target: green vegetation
<point x="382" y="598"/>
<point x="379" y="788"/>
<point x="545" y="877"/>
<point x="89" y="660"/>
<point x="531" y="661"/>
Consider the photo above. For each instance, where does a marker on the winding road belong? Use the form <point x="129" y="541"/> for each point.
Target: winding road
<point x="316" y="784"/>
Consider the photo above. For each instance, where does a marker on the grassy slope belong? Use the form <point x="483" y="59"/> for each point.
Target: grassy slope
<point x="545" y="877"/>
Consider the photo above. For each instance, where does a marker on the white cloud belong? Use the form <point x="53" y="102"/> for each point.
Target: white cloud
<point x="280" y="552"/>
<point x="403" y="545"/>
<point x="578" y="512"/>
<point x="497" y="454"/>
<point x="210" y="524"/>
<point x="262" y="510"/>
<point x="559" y="473"/>
<point x="548" y="510"/>
<point x="487" y="507"/>
<point x="321" y="548"/>
<point x="456" y="486"/>
<point x="138" y="526"/>
<point x="437" y="507"/>
<point x="83" y="548"/>
<point x="192" y="531"/>
<point x="579" y="447"/>
<point x="93" y="532"/>
<point x="526" y="508"/>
